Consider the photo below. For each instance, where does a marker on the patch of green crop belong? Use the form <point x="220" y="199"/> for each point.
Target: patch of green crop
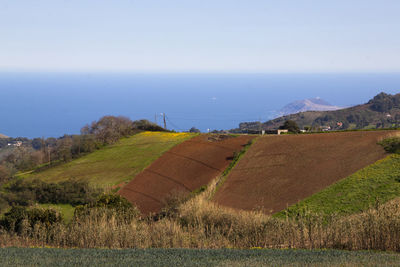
<point x="116" y="163"/>
<point x="192" y="257"/>
<point x="379" y="182"/>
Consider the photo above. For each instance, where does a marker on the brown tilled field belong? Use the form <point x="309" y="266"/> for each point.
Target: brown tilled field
<point x="278" y="171"/>
<point x="186" y="167"/>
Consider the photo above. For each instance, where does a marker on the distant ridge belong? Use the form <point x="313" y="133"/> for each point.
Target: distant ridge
<point x="311" y="104"/>
<point x="383" y="111"/>
<point x="3" y="136"/>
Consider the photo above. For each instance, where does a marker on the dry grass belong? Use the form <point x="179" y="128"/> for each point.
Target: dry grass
<point x="200" y="223"/>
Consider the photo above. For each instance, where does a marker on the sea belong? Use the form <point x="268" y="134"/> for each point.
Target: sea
<point x="36" y="104"/>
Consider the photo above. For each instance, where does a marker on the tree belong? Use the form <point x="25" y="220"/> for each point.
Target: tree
<point x="109" y="129"/>
<point x="194" y="130"/>
<point x="4" y="174"/>
<point x="63" y="148"/>
<point x="291" y="126"/>
<point x="146" y="125"/>
<point x="383" y="102"/>
<point x="37" y="143"/>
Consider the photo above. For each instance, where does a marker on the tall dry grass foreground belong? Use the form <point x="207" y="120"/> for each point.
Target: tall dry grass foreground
<point x="199" y="223"/>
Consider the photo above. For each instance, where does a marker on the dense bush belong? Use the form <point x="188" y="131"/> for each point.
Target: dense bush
<point x="291" y="126"/>
<point x="25" y="192"/>
<point x="391" y="145"/>
<point x="146" y="125"/>
<point x="19" y="218"/>
<point x="194" y="130"/>
<point x="6" y="172"/>
<point x="109" y="202"/>
<point x="385" y="102"/>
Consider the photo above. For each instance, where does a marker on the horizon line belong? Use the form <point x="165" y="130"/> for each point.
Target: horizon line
<point x="191" y="72"/>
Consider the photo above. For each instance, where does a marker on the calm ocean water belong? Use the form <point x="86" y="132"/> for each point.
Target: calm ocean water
<point x="43" y="104"/>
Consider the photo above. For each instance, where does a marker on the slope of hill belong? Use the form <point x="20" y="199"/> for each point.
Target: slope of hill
<point x="383" y="111"/>
<point x="3" y="136"/>
<point x="278" y="171"/>
<point x="311" y="104"/>
<point x="186" y="167"/>
<point x="377" y="183"/>
<point x="116" y="163"/>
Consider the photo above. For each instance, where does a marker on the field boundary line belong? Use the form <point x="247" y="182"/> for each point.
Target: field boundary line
<point x="222" y="178"/>
<point x="143" y="194"/>
<point x="194" y="160"/>
<point x="169" y="178"/>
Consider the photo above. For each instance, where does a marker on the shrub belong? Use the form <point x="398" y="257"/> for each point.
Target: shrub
<point x="194" y="130"/>
<point x="110" y="202"/>
<point x="146" y="125"/>
<point x="23" y="192"/>
<point x="19" y="217"/>
<point x="291" y="126"/>
<point x="391" y="145"/>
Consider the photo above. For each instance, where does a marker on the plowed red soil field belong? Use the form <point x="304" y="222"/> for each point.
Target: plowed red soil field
<point x="186" y="167"/>
<point x="278" y="171"/>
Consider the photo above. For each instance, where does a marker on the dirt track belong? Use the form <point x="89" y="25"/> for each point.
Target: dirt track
<point x="278" y="171"/>
<point x="186" y="167"/>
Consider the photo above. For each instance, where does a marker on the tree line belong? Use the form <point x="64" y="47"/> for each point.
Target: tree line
<point x="41" y="153"/>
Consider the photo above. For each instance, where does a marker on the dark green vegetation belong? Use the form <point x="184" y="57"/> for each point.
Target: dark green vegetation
<point x="391" y="145"/>
<point x="20" y="218"/>
<point x="186" y="257"/>
<point x="379" y="182"/>
<point x="66" y="210"/>
<point x="111" y="203"/>
<point x="27" y="192"/>
<point x="291" y="126"/>
<point x="383" y="111"/>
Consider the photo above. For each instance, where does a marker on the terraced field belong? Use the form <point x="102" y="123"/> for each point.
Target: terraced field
<point x="375" y="184"/>
<point x="186" y="167"/>
<point x="115" y="164"/>
<point x="278" y="171"/>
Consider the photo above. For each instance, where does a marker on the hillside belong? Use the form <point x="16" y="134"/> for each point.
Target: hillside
<point x="278" y="171"/>
<point x="383" y="111"/>
<point x="186" y="167"/>
<point x="311" y="104"/>
<point x="3" y="136"/>
<point x="377" y="183"/>
<point x="116" y="163"/>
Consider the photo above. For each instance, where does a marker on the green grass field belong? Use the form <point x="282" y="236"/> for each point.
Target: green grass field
<point x="192" y="257"/>
<point x="116" y="163"/>
<point x="378" y="182"/>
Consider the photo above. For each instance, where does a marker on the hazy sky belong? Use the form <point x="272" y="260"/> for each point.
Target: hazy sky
<point x="200" y="35"/>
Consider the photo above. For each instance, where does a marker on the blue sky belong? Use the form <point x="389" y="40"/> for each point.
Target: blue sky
<point x="200" y="36"/>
